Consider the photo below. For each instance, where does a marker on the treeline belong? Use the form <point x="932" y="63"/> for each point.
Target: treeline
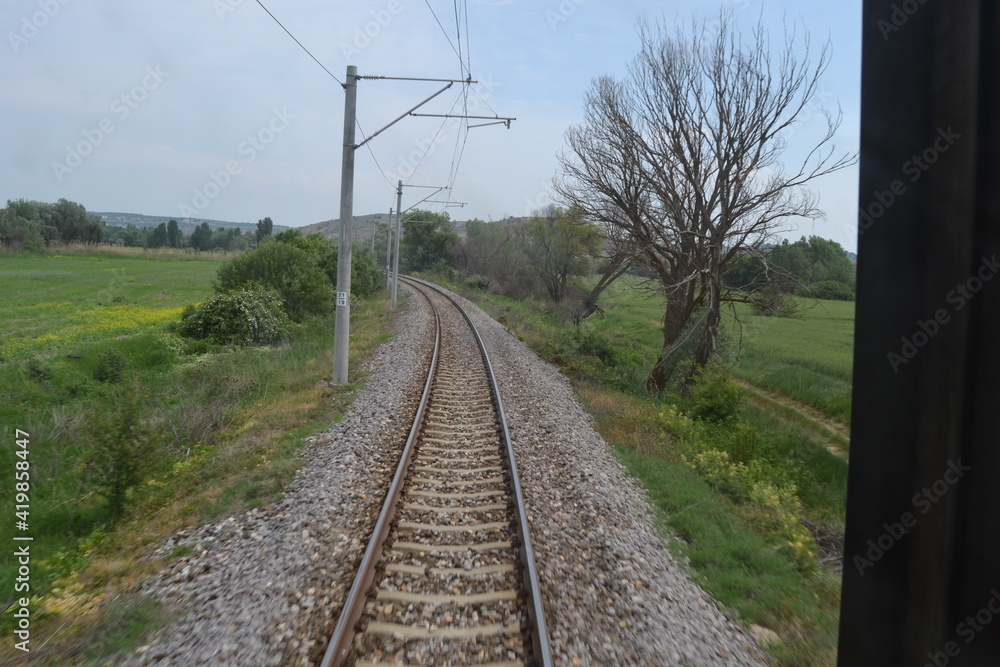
<point x="554" y="255"/>
<point x="547" y="256"/>
<point x="29" y="226"/>
<point x="813" y="267"/>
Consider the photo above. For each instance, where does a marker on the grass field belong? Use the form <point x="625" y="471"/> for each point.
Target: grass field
<point x="57" y="302"/>
<point x="808" y="358"/>
<point x="211" y="430"/>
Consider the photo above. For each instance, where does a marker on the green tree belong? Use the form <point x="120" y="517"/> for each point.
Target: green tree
<point x="559" y="245"/>
<point x="264" y="229"/>
<point x="427" y="242"/>
<point x="366" y="277"/>
<point x="18" y="233"/>
<point x="124" y="447"/>
<point x="290" y="271"/>
<point x="73" y="223"/>
<point x="491" y="251"/>
<point x="174" y="235"/>
<point x="158" y="238"/>
<point x="201" y="237"/>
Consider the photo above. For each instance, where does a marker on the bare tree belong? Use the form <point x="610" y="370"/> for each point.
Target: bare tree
<point x="682" y="159"/>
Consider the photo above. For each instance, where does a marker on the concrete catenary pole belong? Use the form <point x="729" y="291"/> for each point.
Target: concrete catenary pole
<point x="395" y="260"/>
<point x="388" y="252"/>
<point x="342" y="329"/>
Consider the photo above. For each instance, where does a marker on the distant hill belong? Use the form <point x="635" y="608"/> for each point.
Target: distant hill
<point x="186" y="225"/>
<point x="361" y="227"/>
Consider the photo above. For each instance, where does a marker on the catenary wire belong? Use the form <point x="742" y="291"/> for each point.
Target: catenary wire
<point x="299" y="43"/>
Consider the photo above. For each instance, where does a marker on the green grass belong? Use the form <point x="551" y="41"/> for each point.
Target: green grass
<point x="734" y="564"/>
<point x="808" y="358"/>
<point x="757" y="558"/>
<point x="55" y="303"/>
<point x="228" y="431"/>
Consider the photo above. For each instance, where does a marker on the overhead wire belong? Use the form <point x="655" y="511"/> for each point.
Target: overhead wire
<point x="445" y="32"/>
<point x="433" y="141"/>
<point x="299" y="43"/>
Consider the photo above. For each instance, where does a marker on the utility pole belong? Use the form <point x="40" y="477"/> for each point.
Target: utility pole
<point x="342" y="328"/>
<point x="388" y="251"/>
<point x="399" y="215"/>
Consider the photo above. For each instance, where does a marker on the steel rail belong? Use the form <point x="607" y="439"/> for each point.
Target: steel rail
<point x="539" y="631"/>
<point x="343" y="634"/>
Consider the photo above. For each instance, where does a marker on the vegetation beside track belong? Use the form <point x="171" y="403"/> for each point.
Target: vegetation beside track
<point x="752" y="498"/>
<point x="230" y="428"/>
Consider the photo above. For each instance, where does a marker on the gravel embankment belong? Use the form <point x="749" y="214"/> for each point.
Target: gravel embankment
<point x="265" y="588"/>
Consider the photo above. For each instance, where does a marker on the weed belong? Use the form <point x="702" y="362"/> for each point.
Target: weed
<point x="110" y="367"/>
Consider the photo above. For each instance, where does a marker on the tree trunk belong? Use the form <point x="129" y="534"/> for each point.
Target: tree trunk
<point x="709" y="337"/>
<point x="680" y="305"/>
<point x="616" y="268"/>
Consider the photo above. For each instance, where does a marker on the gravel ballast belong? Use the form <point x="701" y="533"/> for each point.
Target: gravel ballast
<point x="265" y="588"/>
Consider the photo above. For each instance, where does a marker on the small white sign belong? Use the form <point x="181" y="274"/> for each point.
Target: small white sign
<point x="341" y="299"/>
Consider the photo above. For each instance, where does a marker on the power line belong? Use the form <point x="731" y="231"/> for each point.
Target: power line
<point x="299" y="43"/>
<point x="445" y="32"/>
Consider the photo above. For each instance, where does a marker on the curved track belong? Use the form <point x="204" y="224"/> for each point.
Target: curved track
<point x="449" y="577"/>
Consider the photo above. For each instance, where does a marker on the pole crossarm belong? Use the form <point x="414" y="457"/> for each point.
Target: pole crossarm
<point x="408" y="113"/>
<point x="497" y="119"/>
<point x="374" y="77"/>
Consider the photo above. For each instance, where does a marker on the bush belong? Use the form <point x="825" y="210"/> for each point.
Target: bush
<point x="366" y="276"/>
<point x="38" y="370"/>
<point x="110" y="367"/>
<point x="248" y="316"/>
<point x="776" y="506"/>
<point x="124" y="446"/>
<point x="591" y="343"/>
<point x="713" y="397"/>
<point x="288" y="270"/>
<point x="831" y="289"/>
<point x="477" y="282"/>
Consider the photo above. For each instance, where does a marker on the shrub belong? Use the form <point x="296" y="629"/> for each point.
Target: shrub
<point x="476" y="282"/>
<point x="713" y="397"/>
<point x="591" y="343"/>
<point x="776" y="506"/>
<point x="124" y="445"/>
<point x="110" y="367"/>
<point x="38" y="370"/>
<point x="289" y="270"/>
<point x="248" y="316"/>
<point x="366" y="276"/>
<point x="831" y="289"/>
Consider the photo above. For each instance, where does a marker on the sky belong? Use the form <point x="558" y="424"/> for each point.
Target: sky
<point x="208" y="109"/>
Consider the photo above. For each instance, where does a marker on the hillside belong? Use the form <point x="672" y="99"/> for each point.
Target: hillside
<point x="186" y="225"/>
<point x="361" y="229"/>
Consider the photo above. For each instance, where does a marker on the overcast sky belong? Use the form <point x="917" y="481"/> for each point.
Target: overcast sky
<point x="208" y="109"/>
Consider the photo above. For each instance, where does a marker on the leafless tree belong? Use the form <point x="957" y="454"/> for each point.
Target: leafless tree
<point x="682" y="160"/>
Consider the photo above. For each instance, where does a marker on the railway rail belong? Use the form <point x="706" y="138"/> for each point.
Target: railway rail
<point x="448" y="576"/>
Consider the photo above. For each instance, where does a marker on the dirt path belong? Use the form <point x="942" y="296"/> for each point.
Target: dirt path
<point x="835" y="435"/>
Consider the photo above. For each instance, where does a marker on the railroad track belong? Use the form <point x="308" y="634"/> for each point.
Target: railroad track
<point x="448" y="577"/>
